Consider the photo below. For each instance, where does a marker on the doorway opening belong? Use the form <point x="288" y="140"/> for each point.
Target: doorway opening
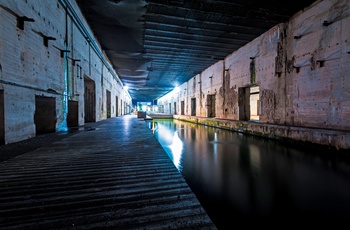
<point x="89" y="100"/>
<point x="45" y="115"/>
<point x="211" y="105"/>
<point x="72" y="117"/>
<point x="249" y="103"/>
<point x="254" y="103"/>
<point x="108" y="94"/>
<point x="182" y="107"/>
<point x="116" y="106"/>
<point x="193" y="106"/>
<point x="2" y="118"/>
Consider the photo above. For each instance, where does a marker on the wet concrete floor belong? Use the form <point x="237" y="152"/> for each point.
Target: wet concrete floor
<point x="111" y="174"/>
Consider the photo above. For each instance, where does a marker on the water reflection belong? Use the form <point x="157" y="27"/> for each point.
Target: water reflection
<point x="169" y="139"/>
<point x="255" y="182"/>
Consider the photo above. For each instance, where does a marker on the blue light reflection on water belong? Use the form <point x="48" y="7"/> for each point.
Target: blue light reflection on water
<point x="169" y="139"/>
<point x="242" y="179"/>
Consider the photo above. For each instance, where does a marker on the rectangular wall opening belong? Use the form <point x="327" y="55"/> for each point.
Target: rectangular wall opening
<point x="175" y="108"/>
<point x="121" y="107"/>
<point x="89" y="100"/>
<point x="109" y="104"/>
<point x="254" y="103"/>
<point x="45" y="115"/>
<point x="244" y="103"/>
<point x="211" y="106"/>
<point x="182" y="107"/>
<point x="116" y="106"/>
<point x="249" y="103"/>
<point x="193" y="106"/>
<point x="72" y="117"/>
<point x="2" y="118"/>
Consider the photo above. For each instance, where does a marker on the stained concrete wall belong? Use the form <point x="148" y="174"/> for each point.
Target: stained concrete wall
<point x="302" y="69"/>
<point x="32" y="63"/>
<point x="318" y="44"/>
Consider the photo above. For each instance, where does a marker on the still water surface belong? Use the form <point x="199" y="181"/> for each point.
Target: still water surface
<point x="248" y="181"/>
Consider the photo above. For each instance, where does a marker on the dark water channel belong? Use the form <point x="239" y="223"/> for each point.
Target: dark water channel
<point x="247" y="181"/>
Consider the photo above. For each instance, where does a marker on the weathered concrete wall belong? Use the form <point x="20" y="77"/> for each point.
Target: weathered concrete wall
<point x="336" y="139"/>
<point x="301" y="67"/>
<point x="318" y="45"/>
<point x="31" y="64"/>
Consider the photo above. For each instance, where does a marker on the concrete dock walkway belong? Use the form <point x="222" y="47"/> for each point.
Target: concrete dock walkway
<point x="113" y="175"/>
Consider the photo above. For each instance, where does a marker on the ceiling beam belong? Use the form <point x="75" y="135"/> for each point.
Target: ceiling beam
<point x="191" y="45"/>
<point x="228" y="11"/>
<point x="167" y="54"/>
<point x="213" y="53"/>
<point x="199" y="30"/>
<point x="197" y="37"/>
<point x="218" y="45"/>
<point x="156" y="17"/>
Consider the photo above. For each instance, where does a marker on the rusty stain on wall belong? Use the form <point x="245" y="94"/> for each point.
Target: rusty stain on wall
<point x="194" y="85"/>
<point x="313" y="62"/>
<point x="252" y="71"/>
<point x="290" y="64"/>
<point x="228" y="94"/>
<point x="279" y="57"/>
<point x="268" y="104"/>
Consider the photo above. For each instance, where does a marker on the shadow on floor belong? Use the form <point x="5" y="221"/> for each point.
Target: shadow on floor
<point x="12" y="150"/>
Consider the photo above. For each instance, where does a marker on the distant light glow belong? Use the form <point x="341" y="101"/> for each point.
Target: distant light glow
<point x="126" y="88"/>
<point x="176" y="89"/>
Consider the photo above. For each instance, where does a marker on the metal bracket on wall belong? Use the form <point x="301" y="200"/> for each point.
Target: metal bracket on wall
<point x="20" y="19"/>
<point x="45" y="38"/>
<point x="74" y="60"/>
<point x="62" y="51"/>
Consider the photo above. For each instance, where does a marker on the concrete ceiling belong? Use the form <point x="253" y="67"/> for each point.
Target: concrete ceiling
<point x="155" y="45"/>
